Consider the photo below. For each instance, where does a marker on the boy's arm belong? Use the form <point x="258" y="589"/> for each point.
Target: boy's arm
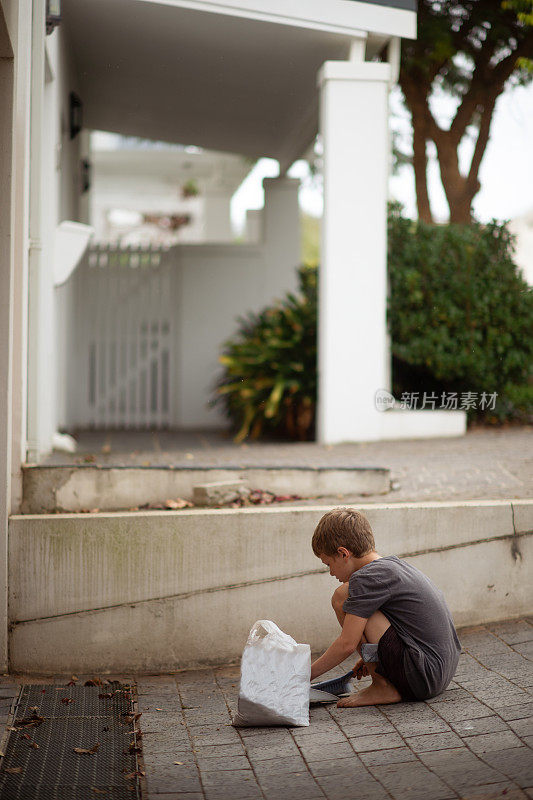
<point x="344" y="646"/>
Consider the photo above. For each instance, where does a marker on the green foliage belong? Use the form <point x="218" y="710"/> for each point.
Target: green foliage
<point x="460" y="315"/>
<point x="269" y="381"/>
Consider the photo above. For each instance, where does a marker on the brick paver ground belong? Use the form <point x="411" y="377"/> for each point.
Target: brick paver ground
<point x="474" y="741"/>
<point x="484" y="464"/>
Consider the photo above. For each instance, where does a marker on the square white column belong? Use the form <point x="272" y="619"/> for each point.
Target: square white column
<point x="352" y="342"/>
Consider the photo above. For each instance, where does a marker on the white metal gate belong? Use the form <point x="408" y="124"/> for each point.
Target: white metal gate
<point x="123" y="338"/>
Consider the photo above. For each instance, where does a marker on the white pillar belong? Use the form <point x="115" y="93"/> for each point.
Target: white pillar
<point x="281" y="232"/>
<point x="352" y="341"/>
<point x="217" y="217"/>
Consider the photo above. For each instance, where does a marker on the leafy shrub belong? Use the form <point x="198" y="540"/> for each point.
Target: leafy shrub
<point x="460" y="315"/>
<point x="269" y="381"/>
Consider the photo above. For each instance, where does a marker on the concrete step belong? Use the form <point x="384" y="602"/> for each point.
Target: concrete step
<point x="163" y="590"/>
<point x="52" y="489"/>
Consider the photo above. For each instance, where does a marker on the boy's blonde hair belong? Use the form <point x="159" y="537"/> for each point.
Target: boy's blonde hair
<point x="343" y="527"/>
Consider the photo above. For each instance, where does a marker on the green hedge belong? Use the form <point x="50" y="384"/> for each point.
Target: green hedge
<point x="460" y="318"/>
<point x="459" y="313"/>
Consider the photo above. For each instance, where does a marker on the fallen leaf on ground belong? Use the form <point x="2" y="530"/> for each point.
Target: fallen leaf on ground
<point x="34" y="708"/>
<point x="82" y="750"/>
<point x="138" y="772"/>
<point x="74" y="678"/>
<point x="67" y="700"/>
<point x="159" y="709"/>
<point x="13" y="770"/>
<point x="179" y="503"/>
<point x="94" y="682"/>
<point x="27" y="722"/>
<point x="178" y="762"/>
<point x="34" y="745"/>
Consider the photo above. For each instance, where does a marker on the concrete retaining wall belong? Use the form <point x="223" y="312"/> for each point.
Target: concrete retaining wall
<point x="165" y="590"/>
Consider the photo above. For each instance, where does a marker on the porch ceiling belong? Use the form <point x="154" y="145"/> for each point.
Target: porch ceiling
<point x="214" y="80"/>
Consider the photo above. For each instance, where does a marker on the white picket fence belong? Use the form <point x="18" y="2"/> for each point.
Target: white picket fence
<point x="123" y="333"/>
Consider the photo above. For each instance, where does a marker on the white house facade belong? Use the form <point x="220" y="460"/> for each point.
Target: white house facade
<point x="249" y="77"/>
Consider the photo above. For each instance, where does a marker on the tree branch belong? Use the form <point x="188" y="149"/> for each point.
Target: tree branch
<point x="481" y="144"/>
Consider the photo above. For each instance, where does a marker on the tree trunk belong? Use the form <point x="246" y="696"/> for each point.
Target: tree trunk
<point x="420" y="163"/>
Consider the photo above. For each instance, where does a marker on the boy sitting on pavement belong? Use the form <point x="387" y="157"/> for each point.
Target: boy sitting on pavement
<point x="389" y="611"/>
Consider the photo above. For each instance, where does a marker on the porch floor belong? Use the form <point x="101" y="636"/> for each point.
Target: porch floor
<point x="483" y="464"/>
<point x="472" y="741"/>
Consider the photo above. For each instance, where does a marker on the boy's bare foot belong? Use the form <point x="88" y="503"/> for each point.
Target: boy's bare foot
<point x="378" y="693"/>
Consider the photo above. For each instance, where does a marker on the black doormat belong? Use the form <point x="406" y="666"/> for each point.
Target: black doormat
<point x="50" y="723"/>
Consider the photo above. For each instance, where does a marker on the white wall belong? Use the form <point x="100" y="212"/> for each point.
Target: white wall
<point x="55" y="196"/>
<point x="7" y="99"/>
<point x="202" y="290"/>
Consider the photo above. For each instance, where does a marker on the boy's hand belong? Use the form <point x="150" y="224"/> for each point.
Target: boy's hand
<point x="360" y="670"/>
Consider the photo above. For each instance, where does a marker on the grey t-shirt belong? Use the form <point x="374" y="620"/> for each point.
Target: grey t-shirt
<point x="418" y="612"/>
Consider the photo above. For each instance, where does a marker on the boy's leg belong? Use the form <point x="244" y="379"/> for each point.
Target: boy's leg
<point x="381" y="690"/>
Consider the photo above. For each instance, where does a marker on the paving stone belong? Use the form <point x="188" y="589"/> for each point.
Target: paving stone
<point x="301" y="785"/>
<point x="280" y="766"/>
<point x="495" y="791"/>
<point x="224" y="793"/>
<point x="461" y="769"/>
<point x="236" y="776"/>
<point x="520" y="711"/>
<point x="449" y="696"/>
<point x="522" y="727"/>
<point x="350" y="766"/>
<point x="156" y="756"/>
<point x="524" y="648"/>
<point x="395" y="756"/>
<point x="414" y="727"/>
<point x="326" y="737"/>
<point x="410" y="781"/>
<point x="471" y="727"/>
<point x="271" y="751"/>
<point x="433" y="741"/>
<point x="222" y="762"/>
<point x="473" y="709"/>
<point x="512" y="632"/>
<point x="503" y="697"/>
<point x="206" y="736"/>
<point x="368" y="729"/>
<point x="321" y="752"/>
<point x="341" y="788"/>
<point x="362" y="744"/>
<point x="172" y="778"/>
<point x="516" y="764"/>
<point x="488" y="742"/>
<point x="176" y="796"/>
<point x="219" y="750"/>
<point x="152" y="721"/>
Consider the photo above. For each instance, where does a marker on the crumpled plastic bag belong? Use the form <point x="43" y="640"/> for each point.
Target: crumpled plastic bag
<point x="275" y="679"/>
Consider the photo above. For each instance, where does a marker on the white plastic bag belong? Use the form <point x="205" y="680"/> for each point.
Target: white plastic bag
<point x="275" y="678"/>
